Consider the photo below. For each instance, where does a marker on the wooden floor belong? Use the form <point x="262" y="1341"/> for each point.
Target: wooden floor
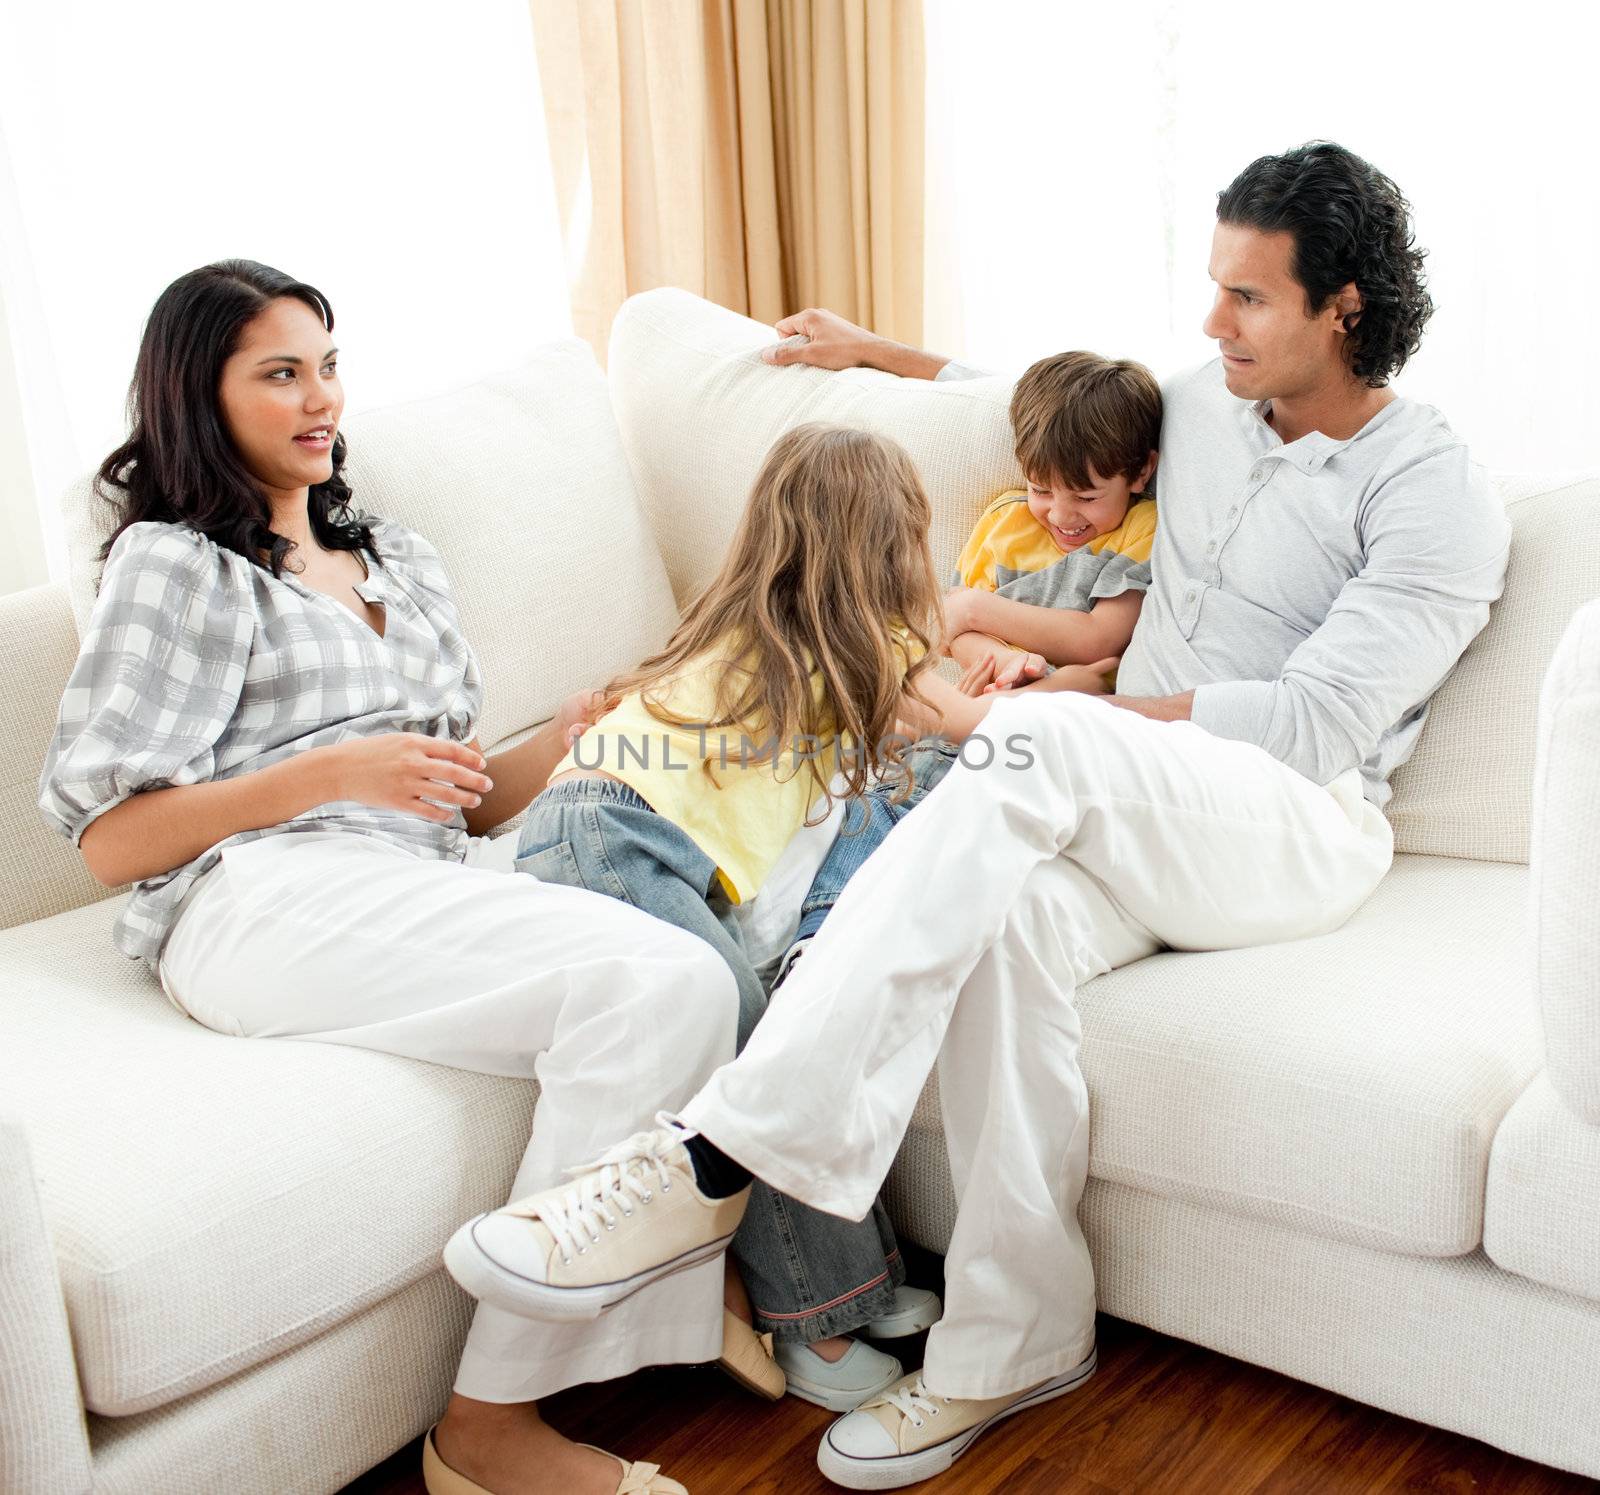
<point x="1160" y="1416"/>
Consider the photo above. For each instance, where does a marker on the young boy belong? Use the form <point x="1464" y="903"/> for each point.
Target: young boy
<point x="1055" y="574"/>
<point x="1052" y="576"/>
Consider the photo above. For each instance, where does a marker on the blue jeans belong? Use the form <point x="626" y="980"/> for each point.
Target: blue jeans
<point x="809" y="1275"/>
<point x="867" y="821"/>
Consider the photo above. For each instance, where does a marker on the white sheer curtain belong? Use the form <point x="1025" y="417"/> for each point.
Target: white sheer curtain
<point x="391" y="152"/>
<point x="1075" y="153"/>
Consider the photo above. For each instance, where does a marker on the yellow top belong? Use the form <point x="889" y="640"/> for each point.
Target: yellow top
<point x="1007" y="536"/>
<point x="741" y="815"/>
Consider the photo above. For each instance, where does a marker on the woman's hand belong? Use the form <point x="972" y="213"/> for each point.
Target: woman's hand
<point x="404" y="770"/>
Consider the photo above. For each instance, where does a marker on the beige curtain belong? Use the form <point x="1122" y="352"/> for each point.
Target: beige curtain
<point x="766" y="154"/>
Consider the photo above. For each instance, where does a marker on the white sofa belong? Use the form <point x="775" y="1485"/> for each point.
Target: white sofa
<point x="1370" y="1161"/>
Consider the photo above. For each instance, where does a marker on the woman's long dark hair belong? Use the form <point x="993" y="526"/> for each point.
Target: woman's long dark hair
<point x="179" y="464"/>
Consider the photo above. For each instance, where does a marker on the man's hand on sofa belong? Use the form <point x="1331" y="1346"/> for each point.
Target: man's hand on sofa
<point x="838" y="344"/>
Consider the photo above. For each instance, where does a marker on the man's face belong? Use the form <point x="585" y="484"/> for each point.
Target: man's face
<point x="1272" y="349"/>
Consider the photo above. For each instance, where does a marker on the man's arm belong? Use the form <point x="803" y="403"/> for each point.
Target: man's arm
<point x="1158" y="708"/>
<point x="1435" y="540"/>
<point x="838" y="344"/>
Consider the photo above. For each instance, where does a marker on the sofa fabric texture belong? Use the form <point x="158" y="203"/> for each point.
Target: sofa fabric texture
<point x="1542" y="1205"/>
<point x="213" y="1201"/>
<point x="1565" y="911"/>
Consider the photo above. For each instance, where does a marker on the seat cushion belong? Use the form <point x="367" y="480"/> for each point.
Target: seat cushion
<point x="521" y="483"/>
<point x="214" y="1201"/>
<point x="1542" y="1208"/>
<point x="1348" y="1085"/>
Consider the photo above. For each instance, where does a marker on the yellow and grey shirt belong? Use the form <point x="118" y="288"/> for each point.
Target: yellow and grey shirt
<point x="1011" y="553"/>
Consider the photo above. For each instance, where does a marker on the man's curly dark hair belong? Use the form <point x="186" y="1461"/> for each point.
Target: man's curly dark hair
<point x="1349" y="223"/>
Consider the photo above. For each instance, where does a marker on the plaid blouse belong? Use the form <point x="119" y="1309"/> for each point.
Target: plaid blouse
<point x="197" y="665"/>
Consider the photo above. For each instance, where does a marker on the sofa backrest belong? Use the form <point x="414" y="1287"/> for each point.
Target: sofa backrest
<point x="1467" y="789"/>
<point x="521" y="483"/>
<point x="698" y="409"/>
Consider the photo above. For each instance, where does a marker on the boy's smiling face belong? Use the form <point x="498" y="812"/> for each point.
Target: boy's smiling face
<point x="1075" y="516"/>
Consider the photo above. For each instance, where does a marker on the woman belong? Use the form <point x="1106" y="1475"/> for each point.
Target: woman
<point x="270" y="731"/>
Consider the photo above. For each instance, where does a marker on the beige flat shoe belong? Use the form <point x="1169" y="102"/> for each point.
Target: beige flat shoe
<point x="748" y="1358"/>
<point x="438" y="1478"/>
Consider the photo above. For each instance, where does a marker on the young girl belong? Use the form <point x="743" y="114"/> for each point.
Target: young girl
<point x="780" y="690"/>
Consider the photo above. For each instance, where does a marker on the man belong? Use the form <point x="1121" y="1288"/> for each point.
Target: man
<point x="1325" y="553"/>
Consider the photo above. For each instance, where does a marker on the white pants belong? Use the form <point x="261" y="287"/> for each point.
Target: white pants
<point x="340" y="938"/>
<point x="963" y="939"/>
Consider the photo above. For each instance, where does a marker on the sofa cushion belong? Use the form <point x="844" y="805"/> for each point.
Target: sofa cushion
<point x="1542" y="1207"/>
<point x="1348" y="1085"/>
<point x="1566" y="865"/>
<point x="1467" y="788"/>
<point x="698" y="410"/>
<point x="214" y="1201"/>
<point x="521" y="482"/>
<point x="687" y="379"/>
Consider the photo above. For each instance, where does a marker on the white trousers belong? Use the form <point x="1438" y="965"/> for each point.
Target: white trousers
<point x="962" y="941"/>
<point x="340" y="938"/>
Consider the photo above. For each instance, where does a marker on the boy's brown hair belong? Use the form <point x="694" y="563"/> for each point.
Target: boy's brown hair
<point x="1077" y="411"/>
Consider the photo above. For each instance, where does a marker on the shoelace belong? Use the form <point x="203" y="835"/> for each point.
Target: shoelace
<point x="911" y="1400"/>
<point x="617" y="1176"/>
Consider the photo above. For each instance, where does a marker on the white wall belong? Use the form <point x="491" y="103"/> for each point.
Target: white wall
<point x="1075" y="154"/>
<point x="391" y="152"/>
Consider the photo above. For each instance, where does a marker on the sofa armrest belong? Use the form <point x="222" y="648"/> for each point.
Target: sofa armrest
<point x="44" y="1441"/>
<point x="43" y="873"/>
<point x="1564" y="864"/>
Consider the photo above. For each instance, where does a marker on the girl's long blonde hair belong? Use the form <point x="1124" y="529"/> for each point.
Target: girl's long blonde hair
<point x="829" y="573"/>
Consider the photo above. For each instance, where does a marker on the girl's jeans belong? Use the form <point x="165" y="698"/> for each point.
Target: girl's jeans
<point x="866" y="822"/>
<point x="809" y="1275"/>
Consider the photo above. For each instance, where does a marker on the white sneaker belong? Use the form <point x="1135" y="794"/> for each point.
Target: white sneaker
<point x="908" y="1434"/>
<point x="915" y="1309"/>
<point x="634" y="1216"/>
<point x="841" y="1385"/>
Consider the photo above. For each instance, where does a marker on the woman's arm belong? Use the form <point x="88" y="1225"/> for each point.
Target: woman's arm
<point x="152" y="832"/>
<point x="520" y="773"/>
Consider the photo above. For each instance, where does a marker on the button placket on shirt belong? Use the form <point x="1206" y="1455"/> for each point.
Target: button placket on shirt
<point x="1260" y="476"/>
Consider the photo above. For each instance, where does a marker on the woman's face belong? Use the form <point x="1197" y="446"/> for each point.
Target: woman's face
<point x="281" y="398"/>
